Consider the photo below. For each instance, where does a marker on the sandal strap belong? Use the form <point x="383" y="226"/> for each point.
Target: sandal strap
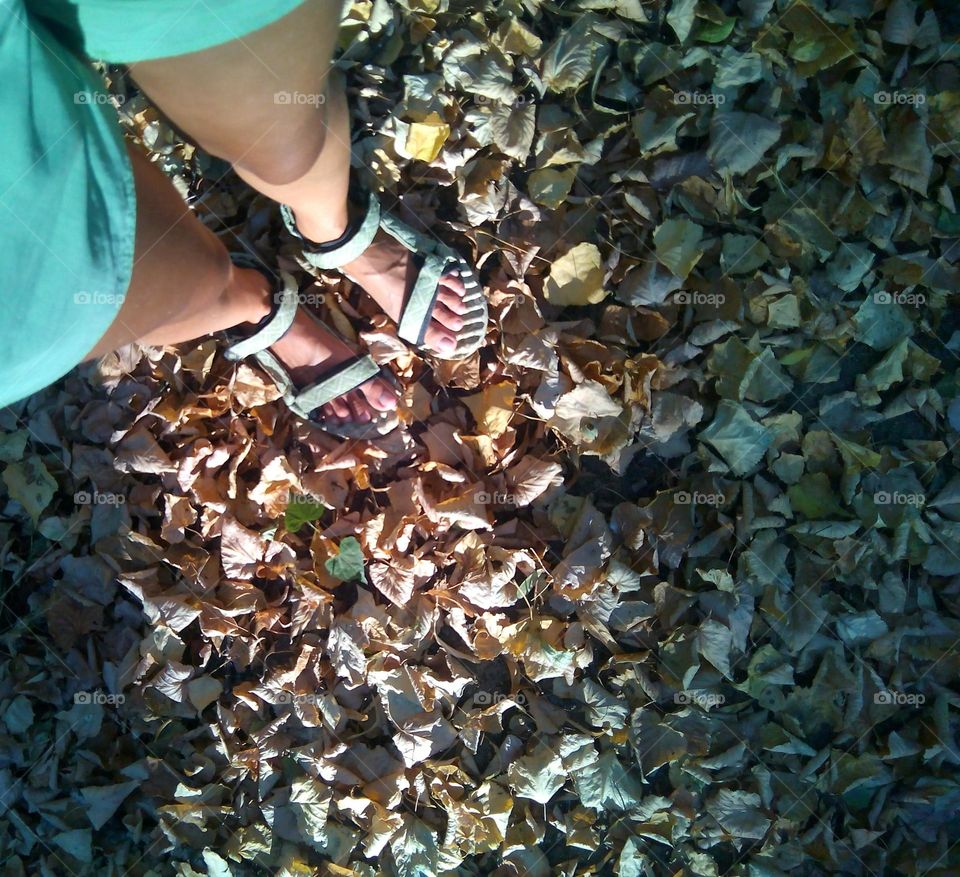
<point x="274" y="326"/>
<point x="423" y="297"/>
<point x="348" y="247"/>
<point x="338" y="382"/>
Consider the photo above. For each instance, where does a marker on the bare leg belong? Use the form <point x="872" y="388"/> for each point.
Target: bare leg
<point x="184" y="286"/>
<point x="296" y="152"/>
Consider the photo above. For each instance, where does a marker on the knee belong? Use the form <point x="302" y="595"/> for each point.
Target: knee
<point x="286" y="145"/>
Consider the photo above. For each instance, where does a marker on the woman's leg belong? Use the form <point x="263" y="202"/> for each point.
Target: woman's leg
<point x="184" y="286"/>
<point x="271" y="105"/>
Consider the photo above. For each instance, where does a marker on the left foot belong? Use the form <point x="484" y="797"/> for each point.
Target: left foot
<point x="308" y="353"/>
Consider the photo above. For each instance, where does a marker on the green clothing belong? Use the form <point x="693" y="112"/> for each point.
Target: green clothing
<point x="67" y="198"/>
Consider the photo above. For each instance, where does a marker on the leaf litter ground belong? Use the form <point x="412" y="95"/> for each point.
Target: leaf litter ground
<point x="663" y="581"/>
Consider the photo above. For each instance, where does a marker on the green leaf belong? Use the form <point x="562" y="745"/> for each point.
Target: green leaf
<point x="568" y="62"/>
<point x="30" y="484"/>
<point x="12" y="445"/>
<point x="681" y="17"/>
<point x="712" y="32"/>
<point x="18" y="716"/>
<point x="550" y="187"/>
<point x="302" y="510"/>
<point x="738" y="438"/>
<point x="677" y="244"/>
<point x="513" y="129"/>
<point x="348" y="564"/>
<point x="101" y="802"/>
<point x="881" y="322"/>
<point x="814" y="497"/>
<point x="76" y="843"/>
<point x="738" y="141"/>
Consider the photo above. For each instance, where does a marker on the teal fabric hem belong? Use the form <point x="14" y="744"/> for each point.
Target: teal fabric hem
<point x="67" y="208"/>
<point x="129" y="31"/>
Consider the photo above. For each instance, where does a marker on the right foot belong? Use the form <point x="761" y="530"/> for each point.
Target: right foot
<point x="386" y="272"/>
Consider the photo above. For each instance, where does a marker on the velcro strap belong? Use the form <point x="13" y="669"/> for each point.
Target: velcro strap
<point x="274" y="327"/>
<point x="416" y="313"/>
<point x="346" y="377"/>
<point x="347" y="248"/>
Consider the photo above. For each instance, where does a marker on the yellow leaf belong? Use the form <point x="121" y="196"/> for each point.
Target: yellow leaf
<point x="576" y="278"/>
<point x="492" y="408"/>
<point x="203" y="691"/>
<point x="550" y="187"/>
<point x="425" y="139"/>
<point x="515" y="39"/>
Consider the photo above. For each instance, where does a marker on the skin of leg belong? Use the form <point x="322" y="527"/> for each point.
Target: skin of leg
<point x="272" y="105"/>
<point x="184" y="286"/>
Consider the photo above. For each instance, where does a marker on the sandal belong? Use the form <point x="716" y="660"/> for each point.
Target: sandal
<point x="436" y="259"/>
<point x="339" y="381"/>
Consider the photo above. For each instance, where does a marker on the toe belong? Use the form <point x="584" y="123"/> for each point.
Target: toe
<point x="447" y="318"/>
<point x="359" y="408"/>
<point x="341" y="409"/>
<point x="453" y="282"/>
<point x="452" y="301"/>
<point x="440" y="338"/>
<point x="380" y="395"/>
